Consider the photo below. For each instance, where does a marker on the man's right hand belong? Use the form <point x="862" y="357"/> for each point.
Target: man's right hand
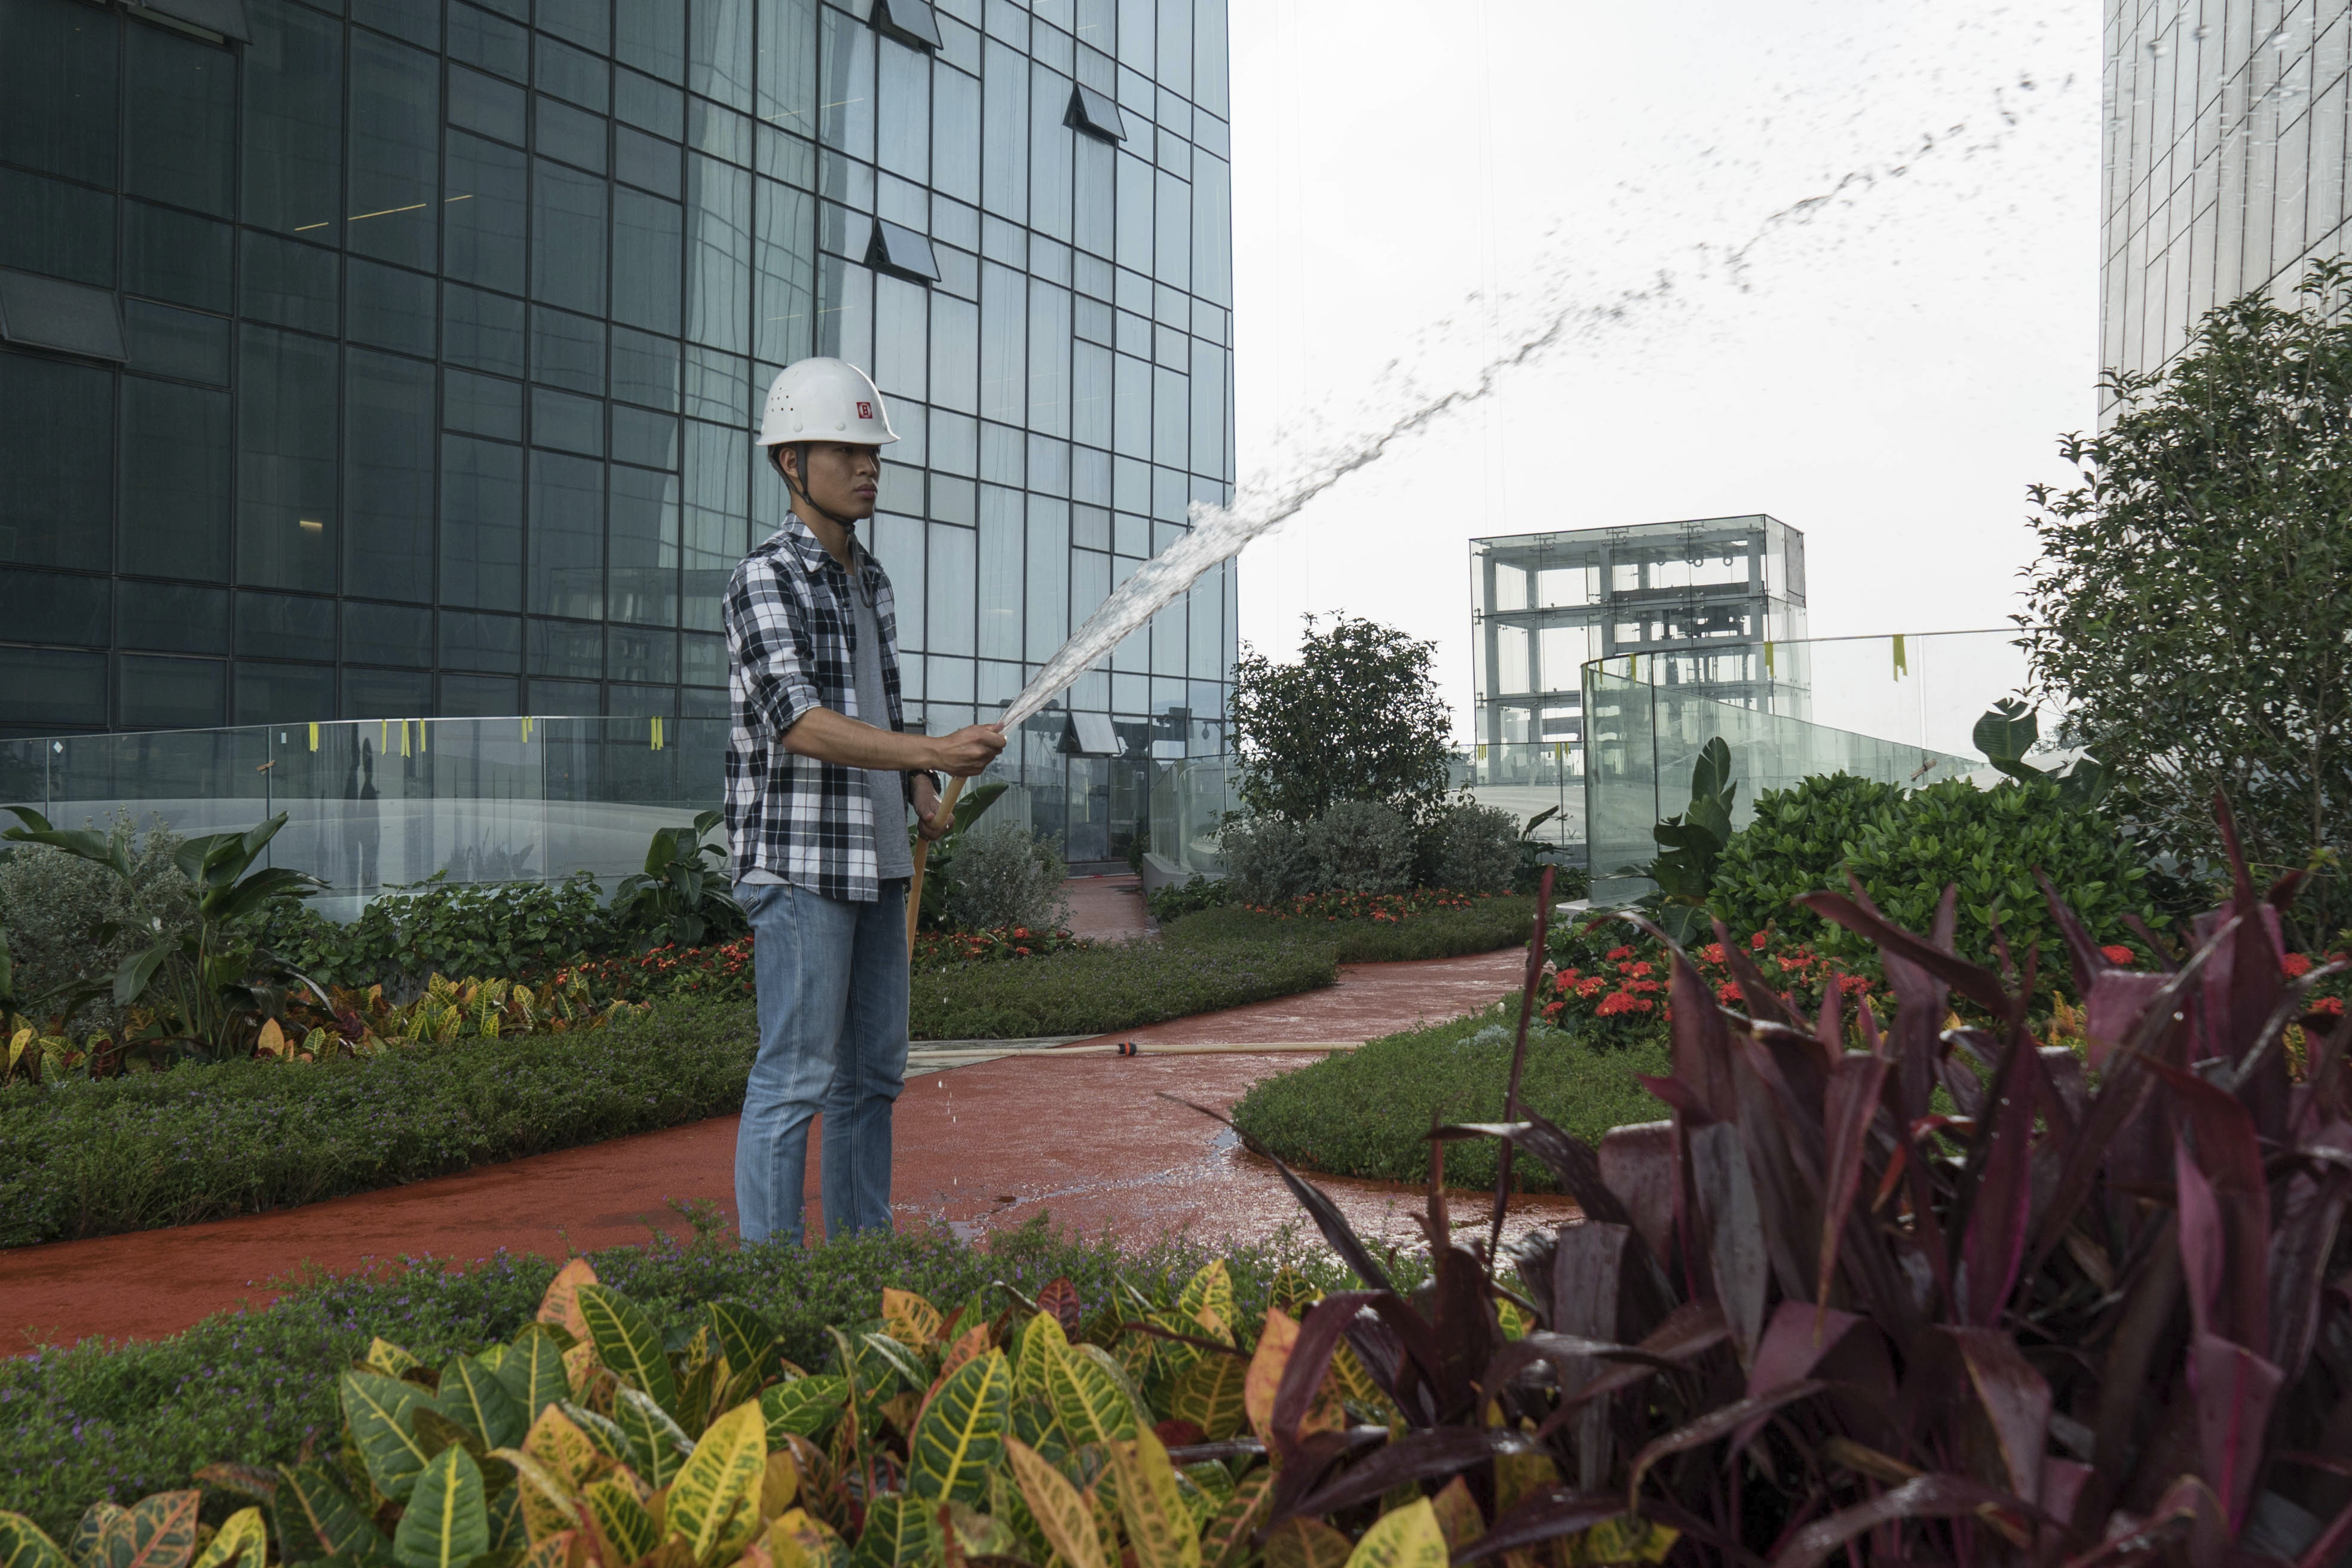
<point x="970" y="750"/>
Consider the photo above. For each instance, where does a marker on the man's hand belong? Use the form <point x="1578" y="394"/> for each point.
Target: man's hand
<point x="927" y="807"/>
<point x="968" y="750"/>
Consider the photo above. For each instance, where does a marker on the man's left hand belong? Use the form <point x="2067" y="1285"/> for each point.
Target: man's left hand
<point x="927" y="807"/>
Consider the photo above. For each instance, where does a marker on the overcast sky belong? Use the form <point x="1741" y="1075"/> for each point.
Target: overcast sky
<point x="1887" y="372"/>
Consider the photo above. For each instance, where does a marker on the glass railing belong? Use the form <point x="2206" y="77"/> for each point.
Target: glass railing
<point x="371" y="804"/>
<point x="1528" y="779"/>
<point x="1894" y="709"/>
<point x="1189" y="801"/>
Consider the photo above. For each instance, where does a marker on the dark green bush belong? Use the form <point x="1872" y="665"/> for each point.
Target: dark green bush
<point x="1466" y="846"/>
<point x="94" y="1157"/>
<point x="260" y="1387"/>
<point x="1115" y="986"/>
<point x="1796" y="845"/>
<point x="1173" y="902"/>
<point x="1487" y="924"/>
<point x="484" y="930"/>
<point x="1367" y="1112"/>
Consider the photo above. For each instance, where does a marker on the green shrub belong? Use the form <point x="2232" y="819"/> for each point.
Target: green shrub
<point x="98" y="1156"/>
<point x="1173" y="902"/>
<point x="1367" y="1112"/>
<point x="1116" y="985"/>
<point x="492" y="930"/>
<point x="1267" y="859"/>
<point x="1006" y="876"/>
<point x="1472" y="925"/>
<point x="1469" y="847"/>
<point x="1360" y="847"/>
<point x="1796" y="845"/>
<point x="258" y="1387"/>
<point x="52" y="901"/>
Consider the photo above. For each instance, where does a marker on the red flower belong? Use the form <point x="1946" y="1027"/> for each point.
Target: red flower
<point x="1728" y="993"/>
<point x="1712" y="952"/>
<point x="1615" y="1002"/>
<point x="2295" y="965"/>
<point x="1621" y="953"/>
<point x="1758" y="941"/>
<point x="1642" y="968"/>
<point x="2119" y="955"/>
<point x="2331" y="1005"/>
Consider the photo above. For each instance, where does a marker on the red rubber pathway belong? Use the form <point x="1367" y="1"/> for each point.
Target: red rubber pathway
<point x="1085" y="1140"/>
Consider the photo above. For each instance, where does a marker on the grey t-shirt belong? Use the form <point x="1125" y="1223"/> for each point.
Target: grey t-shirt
<point x="885" y="787"/>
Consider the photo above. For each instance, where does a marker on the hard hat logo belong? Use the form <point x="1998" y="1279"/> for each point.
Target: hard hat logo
<point x="829" y="395"/>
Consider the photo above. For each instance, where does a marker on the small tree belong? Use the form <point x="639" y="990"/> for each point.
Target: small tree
<point x="1357" y="718"/>
<point x="2190" y="602"/>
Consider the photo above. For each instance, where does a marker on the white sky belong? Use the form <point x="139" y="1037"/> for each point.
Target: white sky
<point x="1887" y="376"/>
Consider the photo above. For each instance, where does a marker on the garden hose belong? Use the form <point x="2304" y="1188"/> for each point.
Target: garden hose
<point x="922" y="857"/>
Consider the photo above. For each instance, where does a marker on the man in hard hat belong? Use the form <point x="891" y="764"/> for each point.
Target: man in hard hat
<point x="820" y="775"/>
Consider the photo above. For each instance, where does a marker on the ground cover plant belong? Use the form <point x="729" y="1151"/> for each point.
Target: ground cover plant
<point x="258" y="1387"/>
<point x="1373" y="927"/>
<point x="1367" y="1112"/>
<point x="1113" y="986"/>
<point x="91" y="1157"/>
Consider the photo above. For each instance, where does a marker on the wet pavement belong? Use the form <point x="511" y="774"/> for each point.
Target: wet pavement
<point x="1108" y="909"/>
<point x="1088" y="1141"/>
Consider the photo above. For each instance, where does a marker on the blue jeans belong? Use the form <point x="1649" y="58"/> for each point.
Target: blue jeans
<point x="832" y="979"/>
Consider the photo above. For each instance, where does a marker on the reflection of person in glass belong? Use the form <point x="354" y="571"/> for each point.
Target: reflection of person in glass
<point x="362" y="831"/>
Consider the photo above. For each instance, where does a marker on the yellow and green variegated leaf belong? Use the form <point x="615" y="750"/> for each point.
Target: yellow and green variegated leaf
<point x="877" y="1351"/>
<point x="721" y="1480"/>
<point x="532" y="1370"/>
<point x="1160" y="1526"/>
<point x="1174" y="1356"/>
<point x="549" y="1503"/>
<point x="1033" y="1423"/>
<point x="1405" y="1537"/>
<point x="23" y="1544"/>
<point x="378" y="1409"/>
<point x="747" y="1340"/>
<point x="980" y="1535"/>
<point x="559" y="1447"/>
<point x="1063" y="1517"/>
<point x="1349" y="1379"/>
<point x="1210" y="1477"/>
<point x="81" y="1546"/>
<point x="1200" y="1502"/>
<point x="1458" y="1518"/>
<point x="490" y="1356"/>
<point x="628" y="1342"/>
<point x="1209" y="1395"/>
<point x="1005" y="1501"/>
<point x="549" y="1551"/>
<point x="1088" y="1400"/>
<point x="1514" y="1323"/>
<point x="909" y="1318"/>
<point x="625" y="1529"/>
<point x="242" y="1541"/>
<point x="779" y="1482"/>
<point x="806" y="1405"/>
<point x="1306" y="1544"/>
<point x="1518" y="1477"/>
<point x="510" y="1530"/>
<point x="657" y="1445"/>
<point x="1291" y="1292"/>
<point x="1628" y="1538"/>
<point x="478" y="1399"/>
<point x="960" y="1435"/>
<point x="447" y="1522"/>
<point x="1039" y="1338"/>
<point x="1207" y="1300"/>
<point x="341" y="1525"/>
<point x="1227" y="1539"/>
<point x="582" y="1370"/>
<point x="389" y="1359"/>
<point x="900" y="1532"/>
<point x="601" y="1431"/>
<point x="798" y="1539"/>
<point x="158" y="1532"/>
<point x="436" y="1430"/>
<point x="1118" y="1375"/>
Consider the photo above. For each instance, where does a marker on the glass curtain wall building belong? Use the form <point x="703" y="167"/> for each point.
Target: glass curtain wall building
<point x="399" y="358"/>
<point x="2225" y="162"/>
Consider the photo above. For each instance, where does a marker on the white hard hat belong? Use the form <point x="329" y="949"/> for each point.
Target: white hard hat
<point x="824" y="400"/>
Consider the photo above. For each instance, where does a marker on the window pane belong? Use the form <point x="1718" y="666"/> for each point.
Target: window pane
<point x="489" y="42"/>
<point x="1090" y="395"/>
<point x="717" y="498"/>
<point x="1096" y="208"/>
<point x="567" y="649"/>
<point x="56" y="89"/>
<point x="955" y="355"/>
<point x="284" y="693"/>
<point x="902" y="338"/>
<point x="1208" y="409"/>
<point x="418" y="21"/>
<point x="181" y="126"/>
<point x="293" y="121"/>
<point x="786" y="273"/>
<point x="845" y="317"/>
<point x="380" y="694"/>
<point x="285" y="626"/>
<point x="55" y="607"/>
<point x="387" y="633"/>
<point x="571" y="134"/>
<point x="1175" y="64"/>
<point x="176" y="480"/>
<point x="1131" y="424"/>
<point x="954" y="554"/>
<point x="703" y="660"/>
<point x="487" y="193"/>
<point x="1049" y="359"/>
<point x="1003" y="343"/>
<point x="286" y="461"/>
<point x="787" y="65"/>
<point x="898" y="545"/>
<point x="485" y="331"/>
<point x="719" y="51"/>
<point x="490" y="643"/>
<point x="587" y="23"/>
<point x="1135" y="204"/>
<point x="388" y="476"/>
<point x="1213" y="233"/>
<point x="903" y="140"/>
<point x="718" y="254"/>
<point x="652" y="38"/>
<point x="1170" y="404"/>
<point x="573" y="76"/>
<point x="567" y="351"/>
<point x="645" y="542"/>
<point x="55" y="447"/>
<point x="176" y="342"/>
<point x="567" y="242"/>
<point x="1049" y="573"/>
<point x="641" y="656"/>
<point x="646" y="232"/>
<point x="171" y="693"/>
<point x="1004" y="133"/>
<point x="647" y="162"/>
<point x="645" y="369"/>
<point x="1050" y="153"/>
<point x="48" y="225"/>
<point x="481" y="524"/>
<point x="567" y="535"/>
<point x="1209" y="50"/>
<point x="1002" y="530"/>
<point x="955" y="134"/>
<point x="481" y="405"/>
<point x="1172" y="262"/>
<point x="483" y="103"/>
<point x="40" y="688"/>
<point x="479" y="696"/>
<point x="391" y="308"/>
<point x="172" y="618"/>
<point x="176" y="256"/>
<point x="395" y="133"/>
<point x="846" y="117"/>
<point x="289" y="283"/>
<point x="567" y="423"/>
<point x="649" y="440"/>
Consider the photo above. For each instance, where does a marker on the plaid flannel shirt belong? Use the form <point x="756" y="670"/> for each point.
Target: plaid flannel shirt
<point x="790" y="647"/>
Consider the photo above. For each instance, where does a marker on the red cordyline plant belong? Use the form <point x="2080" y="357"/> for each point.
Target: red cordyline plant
<point x="2068" y="1311"/>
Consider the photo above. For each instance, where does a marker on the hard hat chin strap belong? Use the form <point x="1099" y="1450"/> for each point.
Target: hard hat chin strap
<point x="800" y="489"/>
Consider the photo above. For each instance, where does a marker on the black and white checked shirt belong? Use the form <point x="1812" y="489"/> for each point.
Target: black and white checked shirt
<point x="790" y="647"/>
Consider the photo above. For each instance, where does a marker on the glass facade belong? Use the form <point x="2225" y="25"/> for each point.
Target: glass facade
<point x="2225" y="161"/>
<point x="438" y="329"/>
